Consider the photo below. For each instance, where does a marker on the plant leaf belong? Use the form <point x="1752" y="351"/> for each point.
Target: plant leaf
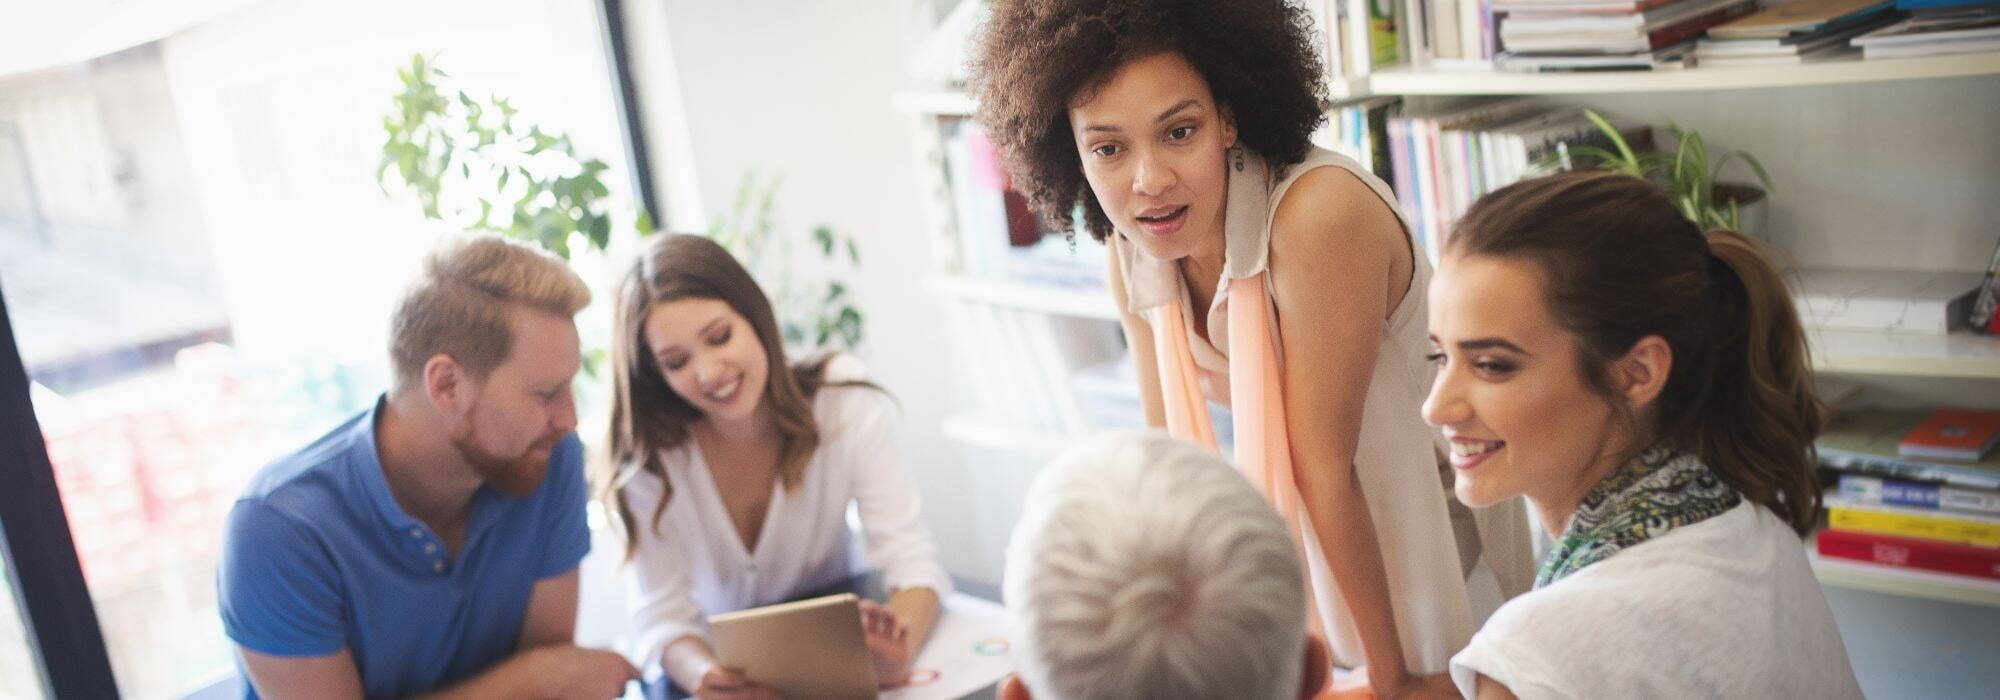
<point x="1611" y="132"/>
<point x="1763" y="176"/>
<point x="824" y="237"/>
<point x="1605" y="159"/>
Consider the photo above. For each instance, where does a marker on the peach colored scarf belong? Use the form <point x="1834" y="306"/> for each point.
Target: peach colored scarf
<point x="1257" y="409"/>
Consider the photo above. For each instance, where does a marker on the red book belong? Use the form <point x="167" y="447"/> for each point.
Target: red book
<point x="1910" y="553"/>
<point x="1953" y="434"/>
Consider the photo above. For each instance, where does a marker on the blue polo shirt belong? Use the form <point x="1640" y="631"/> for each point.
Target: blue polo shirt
<point x="319" y="557"/>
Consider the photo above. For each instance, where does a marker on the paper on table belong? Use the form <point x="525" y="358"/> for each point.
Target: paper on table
<point x="968" y="650"/>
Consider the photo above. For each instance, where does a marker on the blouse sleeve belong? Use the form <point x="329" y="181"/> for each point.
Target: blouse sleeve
<point x="898" y="542"/>
<point x="659" y="591"/>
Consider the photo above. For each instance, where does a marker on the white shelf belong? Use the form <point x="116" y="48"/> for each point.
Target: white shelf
<point x="1962" y="354"/>
<point x="1061" y="301"/>
<point x="981" y="432"/>
<point x="1863" y="576"/>
<point x="1404" y="81"/>
<point x="953" y="103"/>
<point x="940" y="102"/>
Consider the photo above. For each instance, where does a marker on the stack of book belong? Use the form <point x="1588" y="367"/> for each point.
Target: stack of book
<point x="1802" y="31"/>
<point x="1539" y="35"/>
<point x="1896" y="301"/>
<point x="1913" y="490"/>
<point x="1936" y="28"/>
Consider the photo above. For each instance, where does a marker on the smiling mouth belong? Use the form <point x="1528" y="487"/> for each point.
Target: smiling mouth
<point x="1166" y="216"/>
<point x="1466" y="454"/>
<point x="726" y="392"/>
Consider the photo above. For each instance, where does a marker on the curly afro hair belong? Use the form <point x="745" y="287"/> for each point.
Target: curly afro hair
<point x="1033" y="56"/>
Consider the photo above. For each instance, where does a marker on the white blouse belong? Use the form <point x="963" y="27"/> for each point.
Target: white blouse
<point x="1725" y="608"/>
<point x="691" y="563"/>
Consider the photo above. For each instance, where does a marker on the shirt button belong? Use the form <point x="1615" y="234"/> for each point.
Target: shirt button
<point x="437" y="566"/>
<point x="430" y="548"/>
<point x="416" y="534"/>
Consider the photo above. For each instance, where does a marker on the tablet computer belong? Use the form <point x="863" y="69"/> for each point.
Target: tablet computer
<point x="806" y="649"/>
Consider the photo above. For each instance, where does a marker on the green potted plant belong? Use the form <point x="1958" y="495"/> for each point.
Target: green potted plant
<point x="470" y="161"/>
<point x="813" y="305"/>
<point x="474" y="162"/>
<point x="1689" y="176"/>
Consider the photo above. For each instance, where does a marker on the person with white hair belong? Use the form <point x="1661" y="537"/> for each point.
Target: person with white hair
<point x="1148" y="567"/>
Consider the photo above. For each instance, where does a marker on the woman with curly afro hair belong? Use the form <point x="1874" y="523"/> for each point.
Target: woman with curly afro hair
<point x="1248" y="264"/>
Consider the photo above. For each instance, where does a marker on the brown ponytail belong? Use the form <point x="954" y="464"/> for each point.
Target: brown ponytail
<point x="1761" y="414"/>
<point x="1622" y="264"/>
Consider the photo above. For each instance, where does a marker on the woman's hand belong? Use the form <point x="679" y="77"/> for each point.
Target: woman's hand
<point x="720" y="683"/>
<point x="888" y="644"/>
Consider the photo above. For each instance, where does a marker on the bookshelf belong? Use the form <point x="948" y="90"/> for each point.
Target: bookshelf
<point x="1403" y="80"/>
<point x="1961" y="367"/>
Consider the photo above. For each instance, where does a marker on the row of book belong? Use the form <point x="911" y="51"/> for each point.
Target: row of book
<point x="1441" y="154"/>
<point x="998" y="236"/>
<point x="1540" y="35"/>
<point x="1362" y="36"/>
<point x="1913" y="490"/>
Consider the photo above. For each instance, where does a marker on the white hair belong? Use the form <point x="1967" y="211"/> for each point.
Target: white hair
<point x="1148" y="567"/>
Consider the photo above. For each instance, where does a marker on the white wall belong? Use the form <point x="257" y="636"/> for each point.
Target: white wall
<point x="801" y="90"/>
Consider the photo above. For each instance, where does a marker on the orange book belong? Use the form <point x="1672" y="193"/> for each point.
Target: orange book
<point x="1954" y="434"/>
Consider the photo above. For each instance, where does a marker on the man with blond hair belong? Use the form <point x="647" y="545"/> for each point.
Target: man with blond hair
<point x="1146" y="567"/>
<point x="430" y="544"/>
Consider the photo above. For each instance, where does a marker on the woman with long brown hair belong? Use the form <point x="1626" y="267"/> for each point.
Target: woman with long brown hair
<point x="732" y="470"/>
<point x="1646" y="386"/>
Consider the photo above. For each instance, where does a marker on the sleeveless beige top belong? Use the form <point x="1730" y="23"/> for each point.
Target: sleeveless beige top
<point x="1395" y="460"/>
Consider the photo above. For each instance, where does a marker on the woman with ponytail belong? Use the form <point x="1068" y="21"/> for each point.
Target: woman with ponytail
<point x="1645" y="386"/>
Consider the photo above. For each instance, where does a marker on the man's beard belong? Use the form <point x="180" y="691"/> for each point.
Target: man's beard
<point x="517" y="477"/>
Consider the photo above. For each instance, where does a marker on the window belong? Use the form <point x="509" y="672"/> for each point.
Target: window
<point x="199" y="268"/>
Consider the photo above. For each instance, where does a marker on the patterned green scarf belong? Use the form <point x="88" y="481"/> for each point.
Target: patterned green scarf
<point x="1648" y="496"/>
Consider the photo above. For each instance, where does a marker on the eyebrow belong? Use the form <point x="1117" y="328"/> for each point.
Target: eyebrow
<point x="1483" y="344"/>
<point x="661" y="353"/>
<point x="1489" y="344"/>
<point x="1171" y="111"/>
